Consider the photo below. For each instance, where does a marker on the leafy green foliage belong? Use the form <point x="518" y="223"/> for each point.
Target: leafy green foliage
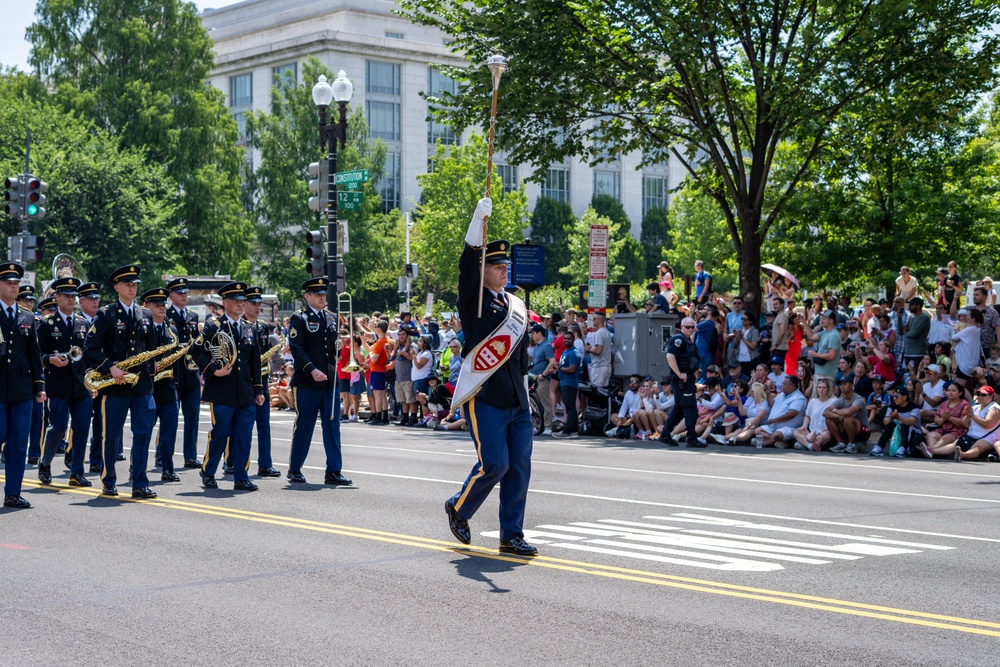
<point x="654" y="237"/>
<point x="622" y="249"/>
<point x="698" y="231"/>
<point x="550" y="224"/>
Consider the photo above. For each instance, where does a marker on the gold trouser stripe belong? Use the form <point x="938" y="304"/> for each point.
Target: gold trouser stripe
<point x="474" y="430"/>
<point x="104" y="436"/>
<point x="208" y="446"/>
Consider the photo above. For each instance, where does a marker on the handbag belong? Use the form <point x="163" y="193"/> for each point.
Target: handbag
<point x="966" y="441"/>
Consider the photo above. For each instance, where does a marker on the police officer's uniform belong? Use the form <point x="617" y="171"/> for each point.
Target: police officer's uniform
<point x="186" y="373"/>
<point x="498" y="416"/>
<point x="120" y="332"/>
<point x="21" y="381"/>
<point x="232" y="397"/>
<point x="312" y="337"/>
<point x="69" y="400"/>
<point x="685" y="354"/>
<point x="164" y="391"/>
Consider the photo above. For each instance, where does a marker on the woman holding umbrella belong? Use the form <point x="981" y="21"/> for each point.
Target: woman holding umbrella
<point x="778" y="282"/>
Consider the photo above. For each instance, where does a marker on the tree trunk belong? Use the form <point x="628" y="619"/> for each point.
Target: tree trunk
<point x="749" y="256"/>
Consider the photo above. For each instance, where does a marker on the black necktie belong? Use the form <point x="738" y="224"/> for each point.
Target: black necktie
<point x="10" y="313"/>
<point x="159" y="331"/>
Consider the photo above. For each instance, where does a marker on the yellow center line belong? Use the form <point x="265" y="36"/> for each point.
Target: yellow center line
<point x="833" y="605"/>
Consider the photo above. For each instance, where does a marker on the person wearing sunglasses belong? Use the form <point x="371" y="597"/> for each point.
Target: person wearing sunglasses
<point x="984" y="428"/>
<point x="682" y="358"/>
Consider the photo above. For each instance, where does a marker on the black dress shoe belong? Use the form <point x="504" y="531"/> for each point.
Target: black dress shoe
<point x="667" y="439"/>
<point x="336" y="479"/>
<point x="208" y="481"/>
<point x="61" y="448"/>
<point x="67" y="461"/>
<point x="79" y="481"/>
<point x="32" y="460"/>
<point x="268" y="472"/>
<point x="96" y="470"/>
<point x="518" y="547"/>
<point x="145" y="493"/>
<point x="109" y="491"/>
<point x="227" y="470"/>
<point x="244" y="486"/>
<point x="459" y="526"/>
<point x="169" y="477"/>
<point x="17" y="502"/>
<point x="296" y="478"/>
<point x="192" y="463"/>
<point x="121" y="457"/>
<point x="45" y="474"/>
<point x="157" y="463"/>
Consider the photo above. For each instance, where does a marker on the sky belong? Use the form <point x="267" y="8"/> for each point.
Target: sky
<point x="18" y="16"/>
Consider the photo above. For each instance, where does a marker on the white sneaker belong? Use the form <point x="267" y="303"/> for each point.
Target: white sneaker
<point x="900" y="453"/>
<point x="352" y="418"/>
<point x="876" y="451"/>
<point x="547" y="431"/>
<point x="757" y="442"/>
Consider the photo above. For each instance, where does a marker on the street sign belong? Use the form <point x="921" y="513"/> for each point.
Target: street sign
<point x="349" y="201"/>
<point x="352" y="179"/>
<point x="599" y="266"/>
<point x="597" y="293"/>
<point x="528" y="265"/>
<point x="599" y="238"/>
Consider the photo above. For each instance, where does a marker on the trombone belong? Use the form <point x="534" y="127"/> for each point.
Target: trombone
<point x="345" y="298"/>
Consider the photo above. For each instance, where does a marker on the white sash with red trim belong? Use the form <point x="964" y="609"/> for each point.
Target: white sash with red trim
<point x="491" y="353"/>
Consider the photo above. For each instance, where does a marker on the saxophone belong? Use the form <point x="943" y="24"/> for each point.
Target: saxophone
<point x="94" y="380"/>
<point x="270" y="352"/>
<point x="168" y="361"/>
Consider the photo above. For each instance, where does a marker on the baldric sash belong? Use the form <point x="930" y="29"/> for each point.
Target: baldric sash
<point x="491" y="353"/>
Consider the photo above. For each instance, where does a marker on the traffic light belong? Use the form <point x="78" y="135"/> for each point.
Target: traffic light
<point x="34" y="247"/>
<point x="14" y="196"/>
<point x="316" y="253"/>
<point x="35" y="195"/>
<point x="319" y="186"/>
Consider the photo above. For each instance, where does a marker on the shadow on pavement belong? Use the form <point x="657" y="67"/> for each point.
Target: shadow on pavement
<point x="478" y="568"/>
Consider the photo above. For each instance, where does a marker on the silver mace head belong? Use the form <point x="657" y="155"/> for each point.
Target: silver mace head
<point x="498" y="65"/>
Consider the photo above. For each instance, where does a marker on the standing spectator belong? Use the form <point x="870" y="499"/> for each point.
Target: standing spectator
<point x="543" y="364"/>
<point x="828" y="349"/>
<point x="378" y="362"/>
<point x="952" y="288"/>
<point x="799" y="334"/>
<point x="702" y="283"/>
<point x="779" y="330"/>
<point x="915" y="333"/>
<point x="405" y="354"/>
<point x="423" y="366"/>
<point x="600" y="353"/>
<point x="991" y="294"/>
<point x="665" y="272"/>
<point x="865" y="318"/>
<point x="569" y="382"/>
<point x="746" y="339"/>
<point x="734" y="318"/>
<point x="989" y="332"/>
<point x="707" y="337"/>
<point x="899" y="318"/>
<point x="906" y="284"/>
<point x="967" y="349"/>
<point x="941" y="327"/>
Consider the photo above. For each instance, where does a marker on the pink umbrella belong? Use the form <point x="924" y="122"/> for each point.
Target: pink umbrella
<point x="774" y="271"/>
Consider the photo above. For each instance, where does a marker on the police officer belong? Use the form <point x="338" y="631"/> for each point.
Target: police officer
<point x="69" y="400"/>
<point x="499" y="419"/>
<point x="265" y="467"/>
<point x="123" y="329"/>
<point x="186" y="372"/>
<point x="164" y="385"/>
<point x="682" y="358"/>
<point x="232" y="390"/>
<point x="90" y="301"/>
<point x="21" y="379"/>
<point x="313" y="333"/>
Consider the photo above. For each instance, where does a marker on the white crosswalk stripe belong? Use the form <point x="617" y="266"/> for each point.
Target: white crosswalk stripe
<point x="672" y="539"/>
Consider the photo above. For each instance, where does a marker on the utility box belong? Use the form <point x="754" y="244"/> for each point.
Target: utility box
<point x="641" y="343"/>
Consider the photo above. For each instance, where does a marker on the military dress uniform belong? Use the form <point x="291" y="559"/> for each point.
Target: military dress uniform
<point x="186" y="373"/>
<point x="312" y="337"/>
<point x="21" y="381"/>
<point x="498" y="416"/>
<point x="120" y="332"/>
<point x="69" y="401"/>
<point x="164" y="391"/>
<point x="232" y="397"/>
<point x="26" y="300"/>
<point x="39" y="416"/>
<point x="87" y="291"/>
<point x="685" y="354"/>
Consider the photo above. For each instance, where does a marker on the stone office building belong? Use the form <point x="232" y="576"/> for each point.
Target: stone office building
<point x="388" y="59"/>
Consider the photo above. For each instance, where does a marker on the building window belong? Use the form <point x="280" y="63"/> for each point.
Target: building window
<point x="607" y="182"/>
<point x="654" y="192"/>
<point x="241" y="126"/>
<point x="381" y="78"/>
<point x="384" y="120"/>
<point x="285" y="74"/>
<point x="394" y="35"/>
<point x="556" y="184"/>
<point x="240" y="91"/>
<point x="438" y="86"/>
<point x="508" y="176"/>
<point x="388" y="187"/>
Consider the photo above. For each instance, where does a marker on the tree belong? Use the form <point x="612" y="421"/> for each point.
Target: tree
<point x="549" y="226"/>
<point x="107" y="206"/>
<point x="450" y="195"/>
<point x="698" y="231"/>
<point x="654" y="237"/>
<point x="607" y="206"/>
<point x="621" y="249"/>
<point x="139" y="71"/>
<point x="723" y="86"/>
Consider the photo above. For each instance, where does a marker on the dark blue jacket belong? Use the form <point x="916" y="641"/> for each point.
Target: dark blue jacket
<point x="116" y="335"/>
<point x="54" y="337"/>
<point x="23" y="376"/>
<point x="313" y="341"/>
<point x="241" y="387"/>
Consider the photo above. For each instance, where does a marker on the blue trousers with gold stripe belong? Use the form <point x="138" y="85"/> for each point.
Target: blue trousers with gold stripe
<point x="308" y="404"/>
<point x="503" y="438"/>
<point x="142" y="411"/>
<point x="233" y="426"/>
<point x="262" y="417"/>
<point x="15" y="418"/>
<point x="190" y="403"/>
<point x="39" y="417"/>
<point x="166" y="439"/>
<point x="63" y="413"/>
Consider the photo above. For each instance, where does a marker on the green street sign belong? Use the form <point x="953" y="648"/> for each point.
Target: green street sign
<point x="349" y="201"/>
<point x="352" y="179"/>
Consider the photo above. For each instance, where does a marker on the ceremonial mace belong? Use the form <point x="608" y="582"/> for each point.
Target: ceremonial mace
<point x="498" y="65"/>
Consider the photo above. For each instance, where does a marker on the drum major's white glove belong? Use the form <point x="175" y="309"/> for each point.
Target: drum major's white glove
<point x="474" y="237"/>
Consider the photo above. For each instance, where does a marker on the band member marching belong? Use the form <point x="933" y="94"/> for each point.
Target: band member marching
<point x="90" y="301"/>
<point x="39" y="421"/>
<point x="228" y="356"/>
<point x="21" y="380"/>
<point x="122" y="331"/>
<point x="265" y="467"/>
<point x="164" y="385"/>
<point x="61" y="338"/>
<point x="186" y="372"/>
<point x="313" y="333"/>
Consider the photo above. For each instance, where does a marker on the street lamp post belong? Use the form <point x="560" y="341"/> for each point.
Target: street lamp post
<point x="332" y="136"/>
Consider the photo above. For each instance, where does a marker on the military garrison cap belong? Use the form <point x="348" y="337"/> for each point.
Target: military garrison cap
<point x="316" y="285"/>
<point x="69" y="286"/>
<point x="234" y="291"/>
<point x="11" y="271"/>
<point x="496" y="252"/>
<point x="254" y="294"/>
<point x="158" y="295"/>
<point x="125" y="274"/>
<point x="178" y="285"/>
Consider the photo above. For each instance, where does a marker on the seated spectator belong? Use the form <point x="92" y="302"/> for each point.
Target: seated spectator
<point x="804" y="371"/>
<point x="285" y="400"/>
<point x="711" y="410"/>
<point x="931" y="392"/>
<point x="903" y="414"/>
<point x="630" y="405"/>
<point x="453" y="422"/>
<point x="878" y="401"/>
<point x="862" y="379"/>
<point x="787" y="414"/>
<point x="760" y="373"/>
<point x="967" y="347"/>
<point x="984" y="426"/>
<point x="813" y="434"/>
<point x="659" y="302"/>
<point x="847" y="419"/>
<point x="436" y="402"/>
<point x="777" y="375"/>
<point x="752" y="411"/>
<point x="881" y="359"/>
<point x="951" y="419"/>
<point x="942" y="357"/>
<point x="735" y="374"/>
<point x="650" y="416"/>
<point x="845" y="370"/>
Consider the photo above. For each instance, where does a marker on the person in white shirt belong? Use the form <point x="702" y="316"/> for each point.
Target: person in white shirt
<point x="630" y="403"/>
<point x="777" y="374"/>
<point x="813" y="434"/>
<point x="932" y="392"/>
<point x="942" y="327"/>
<point x="787" y="414"/>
